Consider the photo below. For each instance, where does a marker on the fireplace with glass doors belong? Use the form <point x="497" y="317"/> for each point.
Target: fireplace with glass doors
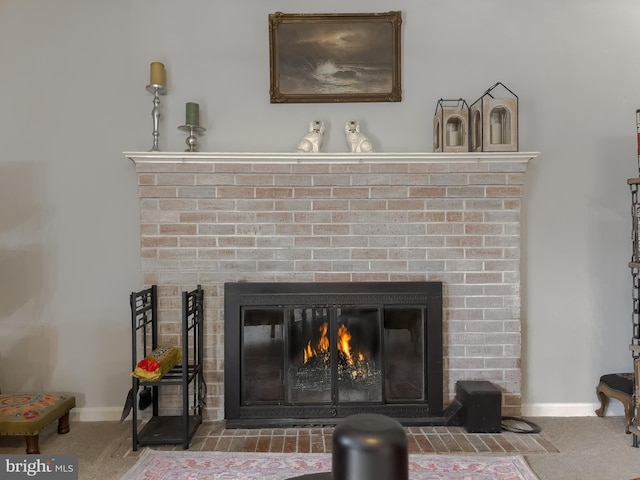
<point x="308" y="354"/>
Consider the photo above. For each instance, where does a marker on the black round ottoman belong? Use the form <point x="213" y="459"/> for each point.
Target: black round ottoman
<point x="369" y="446"/>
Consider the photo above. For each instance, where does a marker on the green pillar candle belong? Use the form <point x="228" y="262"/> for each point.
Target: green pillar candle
<point x="193" y="113"/>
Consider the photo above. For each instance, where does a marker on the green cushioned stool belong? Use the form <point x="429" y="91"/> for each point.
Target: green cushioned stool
<point x="620" y="387"/>
<point x="28" y="413"/>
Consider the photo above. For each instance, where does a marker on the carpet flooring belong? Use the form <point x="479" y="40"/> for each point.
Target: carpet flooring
<point x="186" y="465"/>
<point x="583" y="447"/>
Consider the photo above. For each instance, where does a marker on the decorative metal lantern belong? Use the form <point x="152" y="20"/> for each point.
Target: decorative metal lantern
<point x="451" y="126"/>
<point x="494" y="121"/>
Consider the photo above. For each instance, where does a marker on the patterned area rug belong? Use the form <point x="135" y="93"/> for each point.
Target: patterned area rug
<point x="187" y="465"/>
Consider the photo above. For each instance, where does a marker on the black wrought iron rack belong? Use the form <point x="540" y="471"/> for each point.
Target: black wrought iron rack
<point x="188" y="374"/>
<point x="634" y="265"/>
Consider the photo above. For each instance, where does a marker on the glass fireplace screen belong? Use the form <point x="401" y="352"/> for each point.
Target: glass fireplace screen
<point x="309" y="353"/>
<point x="332" y="355"/>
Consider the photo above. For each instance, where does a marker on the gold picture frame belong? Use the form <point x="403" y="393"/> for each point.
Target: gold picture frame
<point x="335" y="57"/>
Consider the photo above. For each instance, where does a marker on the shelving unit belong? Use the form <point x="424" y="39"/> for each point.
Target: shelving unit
<point x="188" y="374"/>
<point x="634" y="265"/>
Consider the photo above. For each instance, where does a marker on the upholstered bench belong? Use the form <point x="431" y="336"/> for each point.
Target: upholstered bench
<point x="28" y="413"/>
<point x="620" y="387"/>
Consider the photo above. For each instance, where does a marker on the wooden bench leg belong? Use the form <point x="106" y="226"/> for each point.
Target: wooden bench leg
<point x="33" y="440"/>
<point x="63" y="424"/>
<point x="32" y="443"/>
<point x="604" y="393"/>
<point x="603" y="401"/>
<point x="628" y="415"/>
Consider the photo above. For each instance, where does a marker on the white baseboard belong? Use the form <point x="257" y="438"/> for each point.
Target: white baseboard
<point x="96" y="414"/>
<point x="614" y="409"/>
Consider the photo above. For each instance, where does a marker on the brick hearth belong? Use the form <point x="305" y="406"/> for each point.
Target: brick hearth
<point x="214" y="437"/>
<point x="215" y="218"/>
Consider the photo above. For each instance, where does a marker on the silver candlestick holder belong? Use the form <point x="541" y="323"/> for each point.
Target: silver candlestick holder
<point x="157" y="90"/>
<point x="192" y="139"/>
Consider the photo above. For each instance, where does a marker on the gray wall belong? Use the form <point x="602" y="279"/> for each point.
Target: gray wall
<point x="72" y="99"/>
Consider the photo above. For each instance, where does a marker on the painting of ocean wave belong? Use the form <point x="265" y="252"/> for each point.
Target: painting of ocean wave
<point x="335" y="58"/>
<point x="329" y="77"/>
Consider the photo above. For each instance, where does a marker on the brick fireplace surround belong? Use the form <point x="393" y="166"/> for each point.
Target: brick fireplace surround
<point x="211" y="218"/>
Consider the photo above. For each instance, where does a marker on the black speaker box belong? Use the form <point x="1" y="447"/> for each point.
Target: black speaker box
<point x="482" y="406"/>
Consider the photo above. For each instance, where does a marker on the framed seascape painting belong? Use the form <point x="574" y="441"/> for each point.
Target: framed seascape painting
<point x="337" y="57"/>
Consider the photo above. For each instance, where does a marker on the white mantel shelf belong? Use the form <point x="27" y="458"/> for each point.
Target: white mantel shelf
<point x="310" y="158"/>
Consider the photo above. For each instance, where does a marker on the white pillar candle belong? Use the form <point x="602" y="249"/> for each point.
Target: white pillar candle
<point x="496" y="133"/>
<point x="453" y="134"/>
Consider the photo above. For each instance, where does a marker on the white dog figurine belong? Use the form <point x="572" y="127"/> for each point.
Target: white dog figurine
<point x="312" y="141"/>
<point x="357" y="141"/>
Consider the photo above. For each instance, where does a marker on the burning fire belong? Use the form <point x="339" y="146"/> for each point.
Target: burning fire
<point x="323" y="344"/>
<point x="353" y="367"/>
<point x="344" y="347"/>
<point x="344" y="337"/>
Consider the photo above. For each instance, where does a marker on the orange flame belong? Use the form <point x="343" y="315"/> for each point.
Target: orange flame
<point x="323" y="343"/>
<point x="344" y="337"/>
<point x="308" y="352"/>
